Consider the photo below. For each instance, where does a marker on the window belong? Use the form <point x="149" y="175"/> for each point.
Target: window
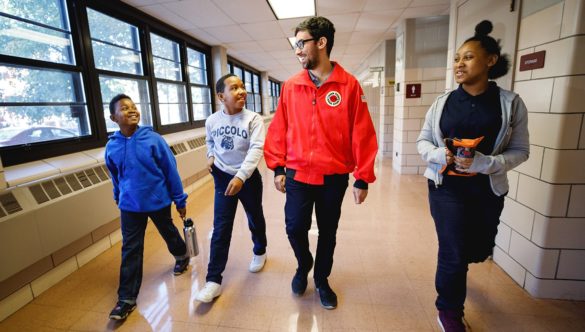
<point x="46" y="91"/>
<point x="252" y="82"/>
<point x="61" y="62"/>
<point x="274" y="94"/>
<point x="172" y="97"/>
<point x="116" y="49"/>
<point x="200" y="91"/>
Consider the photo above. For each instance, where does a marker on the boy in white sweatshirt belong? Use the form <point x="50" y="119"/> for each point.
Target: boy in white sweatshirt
<point x="235" y="143"/>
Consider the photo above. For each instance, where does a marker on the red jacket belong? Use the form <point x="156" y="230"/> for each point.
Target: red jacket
<point x="322" y="131"/>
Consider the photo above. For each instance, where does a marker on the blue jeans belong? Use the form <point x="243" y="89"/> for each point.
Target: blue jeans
<point x="466" y="214"/>
<point x="133" y="228"/>
<point x="223" y="220"/>
<point x="298" y="210"/>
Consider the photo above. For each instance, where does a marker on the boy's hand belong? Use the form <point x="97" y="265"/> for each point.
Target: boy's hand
<point x="182" y="212"/>
<point x="210" y="161"/>
<point x="279" y="182"/>
<point x="234" y="186"/>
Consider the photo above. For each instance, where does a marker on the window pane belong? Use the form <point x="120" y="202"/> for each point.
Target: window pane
<point x="256" y="83"/>
<point x="172" y="103"/>
<point x="250" y="102"/>
<point x="113" y="58"/>
<point x="167" y="69"/>
<point x="258" y="104"/>
<point x="113" y="31"/>
<point x="35" y="42"/>
<point x="167" y="61"/>
<point x="53" y="103"/>
<point x="135" y="89"/>
<point x="48" y="12"/>
<point x="196" y="59"/>
<point x="238" y="71"/>
<point x="201" y="111"/>
<point x="196" y="67"/>
<point x="115" y="44"/>
<point x="56" y="123"/>
<point x="29" y="85"/>
<point x="248" y="81"/>
<point x="201" y="103"/>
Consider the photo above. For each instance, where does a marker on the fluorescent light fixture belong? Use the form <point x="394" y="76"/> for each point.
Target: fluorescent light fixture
<point x="284" y="9"/>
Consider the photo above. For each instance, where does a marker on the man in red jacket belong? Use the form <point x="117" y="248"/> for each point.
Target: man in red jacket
<point x="322" y="131"/>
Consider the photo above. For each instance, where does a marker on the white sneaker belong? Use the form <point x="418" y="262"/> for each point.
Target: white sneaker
<point x="210" y="291"/>
<point x="257" y="263"/>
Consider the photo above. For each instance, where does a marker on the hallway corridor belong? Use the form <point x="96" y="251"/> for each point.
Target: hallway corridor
<point x="383" y="274"/>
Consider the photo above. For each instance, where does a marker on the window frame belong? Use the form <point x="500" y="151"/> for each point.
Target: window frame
<point x="84" y="66"/>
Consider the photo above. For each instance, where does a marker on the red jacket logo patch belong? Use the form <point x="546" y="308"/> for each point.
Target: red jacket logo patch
<point x="333" y="98"/>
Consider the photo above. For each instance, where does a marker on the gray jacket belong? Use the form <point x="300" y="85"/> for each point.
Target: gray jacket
<point x="511" y="147"/>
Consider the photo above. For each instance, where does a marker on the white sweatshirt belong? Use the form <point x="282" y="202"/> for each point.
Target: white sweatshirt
<point x="236" y="141"/>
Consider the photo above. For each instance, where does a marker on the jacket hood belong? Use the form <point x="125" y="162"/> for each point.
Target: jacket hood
<point x="141" y="131"/>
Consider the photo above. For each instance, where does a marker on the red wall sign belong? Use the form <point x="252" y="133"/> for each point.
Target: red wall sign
<point x="413" y="90"/>
<point x="532" y="61"/>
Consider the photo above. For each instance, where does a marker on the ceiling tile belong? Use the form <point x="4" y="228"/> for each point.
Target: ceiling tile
<point x="277" y="44"/>
<point x="249" y="11"/>
<point x="378" y="5"/>
<point x="263" y="30"/>
<point x="378" y="21"/>
<point x="163" y="14"/>
<point x="228" y="34"/>
<point x="331" y="7"/>
<point x="202" y="13"/>
<point x="345" y="22"/>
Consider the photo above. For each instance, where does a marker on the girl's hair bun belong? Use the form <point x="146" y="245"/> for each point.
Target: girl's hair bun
<point x="483" y="28"/>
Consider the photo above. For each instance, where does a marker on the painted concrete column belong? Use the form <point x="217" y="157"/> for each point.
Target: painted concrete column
<point x="218" y="67"/>
<point x="421" y="54"/>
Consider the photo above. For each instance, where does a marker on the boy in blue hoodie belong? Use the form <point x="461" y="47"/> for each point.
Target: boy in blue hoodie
<point x="235" y="142"/>
<point x="146" y="182"/>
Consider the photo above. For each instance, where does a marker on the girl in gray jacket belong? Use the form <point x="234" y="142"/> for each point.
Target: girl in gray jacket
<point x="471" y="137"/>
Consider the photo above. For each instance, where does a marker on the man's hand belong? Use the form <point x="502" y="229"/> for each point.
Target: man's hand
<point x="182" y="212"/>
<point x="279" y="182"/>
<point x="234" y="186"/>
<point x="359" y="195"/>
<point x="210" y="161"/>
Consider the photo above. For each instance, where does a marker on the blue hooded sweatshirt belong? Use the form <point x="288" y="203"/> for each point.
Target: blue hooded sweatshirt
<point x="144" y="172"/>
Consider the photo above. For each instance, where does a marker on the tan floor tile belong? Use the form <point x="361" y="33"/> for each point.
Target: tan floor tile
<point x="383" y="273"/>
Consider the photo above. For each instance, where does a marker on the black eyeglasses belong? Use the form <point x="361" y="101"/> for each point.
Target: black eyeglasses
<point x="301" y="43"/>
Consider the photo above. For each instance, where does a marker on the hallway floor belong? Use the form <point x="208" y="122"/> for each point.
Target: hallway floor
<point x="383" y="275"/>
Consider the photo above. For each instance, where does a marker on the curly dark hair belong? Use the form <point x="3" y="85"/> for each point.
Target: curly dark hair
<point x="318" y="26"/>
<point x="491" y="46"/>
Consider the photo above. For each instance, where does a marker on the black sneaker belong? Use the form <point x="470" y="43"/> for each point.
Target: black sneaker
<point x="181" y="266"/>
<point x="122" y="310"/>
<point x="451" y="320"/>
<point x="327" y="296"/>
<point x="299" y="281"/>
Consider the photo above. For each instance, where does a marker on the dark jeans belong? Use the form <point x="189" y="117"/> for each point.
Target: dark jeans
<point x="133" y="228"/>
<point x="223" y="220"/>
<point x="327" y="199"/>
<point x="466" y="214"/>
